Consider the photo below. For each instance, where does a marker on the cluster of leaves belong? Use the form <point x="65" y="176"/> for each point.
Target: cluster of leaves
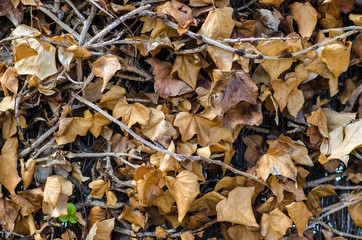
<point x="136" y="136"/>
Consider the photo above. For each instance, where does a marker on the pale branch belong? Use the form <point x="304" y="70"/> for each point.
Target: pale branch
<point x="86" y="25"/>
<point x="95" y="203"/>
<point x="253" y="39"/>
<point x="342" y="29"/>
<point x="192" y="50"/>
<point x="332" y="210"/>
<point x="241" y="52"/>
<point x="60" y="23"/>
<point x="40" y="140"/>
<point x="342" y="234"/>
<point x="75" y="10"/>
<point x="179" y="157"/>
<point x="114" y="24"/>
<point x="353" y="98"/>
<point x="317" y="182"/>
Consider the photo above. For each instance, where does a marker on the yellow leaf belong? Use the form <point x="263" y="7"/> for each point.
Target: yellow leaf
<point x="69" y="128"/>
<point x="300" y="215"/>
<point x="356" y="18"/>
<point x="274" y="225"/>
<point x="105" y="67"/>
<point x="306" y="17"/>
<point x="190" y="124"/>
<point x="187" y="68"/>
<point x="336" y="56"/>
<point x="237" y="207"/>
<point x="8" y="165"/>
<point x="184" y="188"/>
<point x="134" y="217"/>
<point x="319" y="119"/>
<point x="98" y="187"/>
<point x="275" y="3"/>
<point x="112" y="97"/>
<point x="132" y="113"/>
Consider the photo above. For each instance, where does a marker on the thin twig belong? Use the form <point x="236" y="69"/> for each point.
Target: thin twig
<point x="179" y="157"/>
<point x="86" y="25"/>
<point x="60" y="23"/>
<point x="39" y="140"/>
<point x="342" y="234"/>
<point x="193" y="50"/>
<point x="75" y="10"/>
<point x="343" y="28"/>
<point x="246" y="5"/>
<point x="236" y="40"/>
<point x="353" y="98"/>
<point x="113" y="25"/>
<point x="317" y="182"/>
<point x="95" y="203"/>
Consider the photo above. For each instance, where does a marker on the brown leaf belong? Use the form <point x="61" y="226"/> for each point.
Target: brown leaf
<point x="184" y="188"/>
<point x="275" y="3"/>
<point x="254" y="149"/>
<point x="276" y="161"/>
<point x="191" y="124"/>
<point x="274" y="225"/>
<point x="209" y="201"/>
<point x="300" y="215"/>
<point x="14" y="14"/>
<point x="105" y="67"/>
<point x="306" y="17"/>
<point x="356" y="18"/>
<point x="151" y="189"/>
<point x="237" y="207"/>
<point x="230" y="88"/>
<point x="165" y="84"/>
<point x="101" y="230"/>
<point x="217" y="3"/>
<point x="99" y="187"/>
<point x="27" y="171"/>
<point x="8" y="165"/>
<point x="8" y="214"/>
<point x="319" y="119"/>
<point x="314" y="202"/>
<point x="134" y="217"/>
<point x="9" y="80"/>
<point x="238" y="232"/>
<point x="187" y="67"/>
<point x="355" y="210"/>
<point x="243" y="113"/>
<point x="131" y="113"/>
<point x="98" y="121"/>
<point x="179" y="11"/>
<point x="69" y="128"/>
<point x="164" y="161"/>
<point x="297" y="150"/>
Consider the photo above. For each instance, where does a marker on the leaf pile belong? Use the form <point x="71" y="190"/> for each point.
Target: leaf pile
<point x="179" y="119"/>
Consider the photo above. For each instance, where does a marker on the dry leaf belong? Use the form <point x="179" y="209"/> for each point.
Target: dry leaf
<point x="99" y="187"/>
<point x="300" y="215"/>
<point x="184" y="188"/>
<point x="306" y="17"/>
<point x="187" y="67"/>
<point x="243" y="113"/>
<point x="27" y="171"/>
<point x="238" y="232"/>
<point x="134" y="217"/>
<point x="8" y="165"/>
<point x="131" y="113"/>
<point x="105" y="67"/>
<point x="237" y="207"/>
<point x="101" y="230"/>
<point x="69" y="128"/>
<point x="319" y="119"/>
<point x="275" y="3"/>
<point x="274" y="225"/>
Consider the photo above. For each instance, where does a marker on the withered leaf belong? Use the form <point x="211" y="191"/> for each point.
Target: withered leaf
<point x="306" y="17"/>
<point x="274" y="225"/>
<point x="105" y="67"/>
<point x="131" y="113"/>
<point x="244" y="113"/>
<point x="8" y="165"/>
<point x="300" y="215"/>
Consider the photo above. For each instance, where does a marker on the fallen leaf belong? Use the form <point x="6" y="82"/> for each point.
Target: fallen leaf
<point x="209" y="201"/>
<point x="243" y="113"/>
<point x="132" y="216"/>
<point x="9" y="80"/>
<point x="355" y="210"/>
<point x="191" y="124"/>
<point x="105" y="67"/>
<point x="131" y="113"/>
<point x="69" y="128"/>
<point x="184" y="188"/>
<point x="275" y="3"/>
<point x="314" y="202"/>
<point x="178" y="11"/>
<point x="27" y="171"/>
<point x="8" y="165"/>
<point x="101" y="230"/>
<point x="300" y="215"/>
<point x="237" y="207"/>
<point x="8" y="214"/>
<point x="99" y="187"/>
<point x="187" y="67"/>
<point x="112" y="97"/>
<point x="306" y="17"/>
<point x="274" y="225"/>
<point x="356" y="18"/>
<point x="14" y="14"/>
<point x="319" y="119"/>
<point x="165" y="84"/>
<point x="238" y="232"/>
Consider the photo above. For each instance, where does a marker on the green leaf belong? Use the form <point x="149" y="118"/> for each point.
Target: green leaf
<point x="72" y="210"/>
<point x="64" y="218"/>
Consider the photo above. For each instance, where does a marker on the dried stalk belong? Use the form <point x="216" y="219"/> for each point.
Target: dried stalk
<point x="86" y="25"/>
<point x="342" y="234"/>
<point x="179" y="157"/>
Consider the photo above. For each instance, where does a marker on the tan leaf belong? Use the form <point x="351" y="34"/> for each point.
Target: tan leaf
<point x="105" y="67"/>
<point x="319" y="119"/>
<point x="217" y="3"/>
<point x="69" y="128"/>
<point x="209" y="201"/>
<point x="10" y="80"/>
<point x="314" y="202"/>
<point x="223" y="59"/>
<point x="238" y="232"/>
<point x="184" y="188"/>
<point x="276" y="161"/>
<point x="8" y="165"/>
<point x="337" y="119"/>
<point x="43" y="64"/>
<point x="27" y="171"/>
<point x="165" y="84"/>
<point x="99" y="187"/>
<point x="187" y="236"/>
<point x="111" y="198"/>
<point x="164" y="161"/>
<point x="179" y="11"/>
<point x="164" y="202"/>
<point x="134" y="217"/>
<point x="153" y="46"/>
<point x="336" y="56"/>
<point x="297" y="150"/>
<point x="151" y="189"/>
<point x="237" y="207"/>
<point x="191" y="124"/>
<point x="77" y="173"/>
<point x="96" y="214"/>
<point x="275" y="3"/>
<point x="98" y="121"/>
<point x="306" y="17"/>
<point x="187" y="67"/>
<point x="230" y="88"/>
<point x="112" y="97"/>
<point x="300" y="215"/>
<point x="342" y="141"/>
<point x="355" y="210"/>
<point x="131" y="113"/>
<point x="356" y="18"/>
<point x="254" y="149"/>
<point x="218" y="24"/>
<point x="8" y="214"/>
<point x="101" y="230"/>
<point x="274" y="225"/>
